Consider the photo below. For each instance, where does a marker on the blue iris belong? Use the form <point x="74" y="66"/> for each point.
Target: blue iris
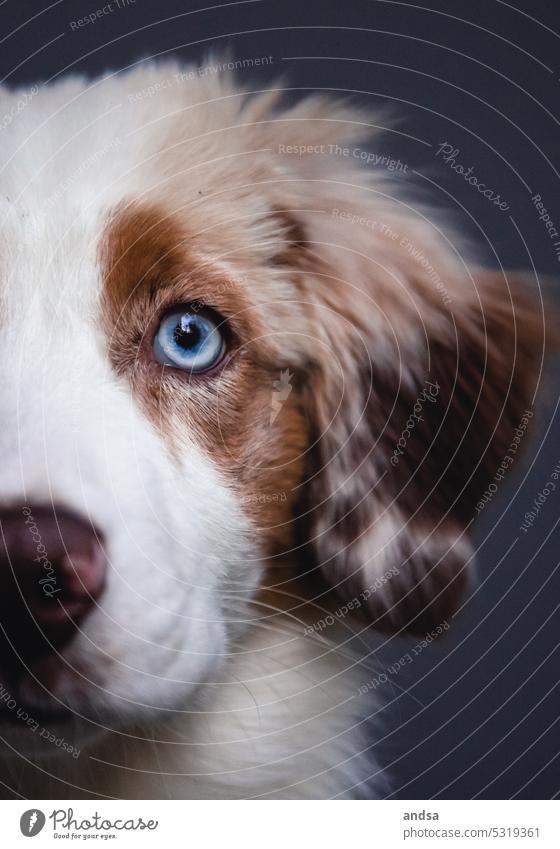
<point x="189" y="340"/>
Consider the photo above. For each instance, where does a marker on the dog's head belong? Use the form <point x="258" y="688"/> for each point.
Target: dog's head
<point x="223" y="341"/>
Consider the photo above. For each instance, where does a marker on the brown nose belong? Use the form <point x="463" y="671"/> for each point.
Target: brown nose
<point x="52" y="570"/>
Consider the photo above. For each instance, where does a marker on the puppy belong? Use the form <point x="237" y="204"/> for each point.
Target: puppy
<point x="250" y="399"/>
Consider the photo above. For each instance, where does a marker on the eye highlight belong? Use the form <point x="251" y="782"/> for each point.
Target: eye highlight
<point x="189" y="340"/>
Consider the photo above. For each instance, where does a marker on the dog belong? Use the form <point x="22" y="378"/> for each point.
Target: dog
<point x="251" y="395"/>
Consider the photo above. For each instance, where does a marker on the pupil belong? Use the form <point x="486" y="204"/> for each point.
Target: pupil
<point x="186" y="334"/>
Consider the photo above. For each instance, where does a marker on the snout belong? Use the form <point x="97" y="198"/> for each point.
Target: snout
<point x="52" y="571"/>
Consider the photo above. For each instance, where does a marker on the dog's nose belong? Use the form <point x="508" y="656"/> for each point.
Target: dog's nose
<point x="52" y="571"/>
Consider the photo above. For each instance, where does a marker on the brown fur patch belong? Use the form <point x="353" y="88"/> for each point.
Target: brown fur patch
<point x="148" y="266"/>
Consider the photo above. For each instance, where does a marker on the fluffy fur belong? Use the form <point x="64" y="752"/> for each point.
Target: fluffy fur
<point x="230" y="531"/>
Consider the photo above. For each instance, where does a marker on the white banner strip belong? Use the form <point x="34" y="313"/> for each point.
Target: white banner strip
<point x="269" y="825"/>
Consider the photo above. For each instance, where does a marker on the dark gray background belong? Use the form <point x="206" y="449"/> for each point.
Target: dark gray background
<point x="476" y="715"/>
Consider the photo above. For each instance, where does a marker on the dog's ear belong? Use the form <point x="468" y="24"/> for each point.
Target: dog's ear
<point x="416" y="417"/>
<point x="420" y="381"/>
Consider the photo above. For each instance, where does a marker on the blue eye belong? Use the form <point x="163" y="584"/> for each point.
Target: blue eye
<point x="189" y="340"/>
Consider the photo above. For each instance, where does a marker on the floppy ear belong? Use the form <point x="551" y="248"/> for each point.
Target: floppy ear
<point x="410" y="439"/>
<point x="420" y="381"/>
